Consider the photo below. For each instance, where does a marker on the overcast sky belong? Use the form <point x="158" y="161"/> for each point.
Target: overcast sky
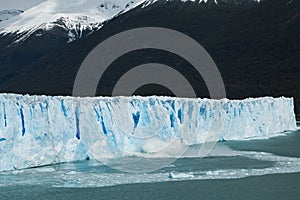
<point x="18" y="4"/>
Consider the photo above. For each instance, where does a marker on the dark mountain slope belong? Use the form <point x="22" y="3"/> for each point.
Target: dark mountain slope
<point x="255" y="46"/>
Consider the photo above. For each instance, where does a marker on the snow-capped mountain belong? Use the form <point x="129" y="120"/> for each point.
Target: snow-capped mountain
<point x="77" y="16"/>
<point x="7" y="14"/>
<point x="72" y="15"/>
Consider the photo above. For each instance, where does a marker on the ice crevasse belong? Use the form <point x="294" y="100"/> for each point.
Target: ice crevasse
<point x="42" y="130"/>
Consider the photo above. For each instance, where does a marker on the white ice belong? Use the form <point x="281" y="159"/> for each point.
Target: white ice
<point x="42" y="130"/>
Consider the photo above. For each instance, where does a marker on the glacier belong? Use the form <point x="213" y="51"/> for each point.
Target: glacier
<point x="43" y="130"/>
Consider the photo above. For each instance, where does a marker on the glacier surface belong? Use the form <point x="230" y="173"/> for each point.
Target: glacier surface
<point x="42" y="130"/>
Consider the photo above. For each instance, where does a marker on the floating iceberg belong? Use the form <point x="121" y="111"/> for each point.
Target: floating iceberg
<point x="42" y="130"/>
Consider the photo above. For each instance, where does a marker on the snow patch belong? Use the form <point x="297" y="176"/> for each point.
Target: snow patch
<point x="7" y="14"/>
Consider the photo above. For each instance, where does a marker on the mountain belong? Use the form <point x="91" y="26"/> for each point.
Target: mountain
<point x="255" y="46"/>
<point x="7" y="14"/>
<point x="78" y="17"/>
<point x="73" y="16"/>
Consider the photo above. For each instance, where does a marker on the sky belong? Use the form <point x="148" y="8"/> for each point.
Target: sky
<point x="18" y="4"/>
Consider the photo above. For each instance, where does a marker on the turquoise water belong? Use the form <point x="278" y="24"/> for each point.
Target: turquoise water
<point x="228" y="160"/>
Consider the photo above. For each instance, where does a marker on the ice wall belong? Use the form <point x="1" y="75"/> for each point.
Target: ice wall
<point x="41" y="130"/>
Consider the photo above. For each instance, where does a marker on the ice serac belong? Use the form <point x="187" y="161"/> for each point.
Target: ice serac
<point x="42" y="130"/>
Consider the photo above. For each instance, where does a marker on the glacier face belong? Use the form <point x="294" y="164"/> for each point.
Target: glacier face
<point x="41" y="130"/>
